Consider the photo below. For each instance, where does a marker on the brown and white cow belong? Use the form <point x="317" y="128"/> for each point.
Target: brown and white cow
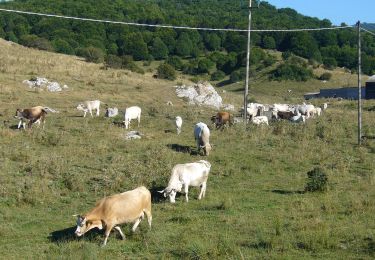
<point x="34" y="115"/>
<point x="112" y="211"/>
<point x="221" y="119"/>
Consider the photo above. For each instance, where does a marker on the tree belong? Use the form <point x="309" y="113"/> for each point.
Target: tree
<point x="92" y="54"/>
<point x="204" y="65"/>
<point x="269" y="42"/>
<point x="158" y="49"/>
<point x="212" y="41"/>
<point x="184" y="45"/>
<point x="217" y="75"/>
<point x="166" y="71"/>
<point x="62" y="46"/>
<point x="175" y="62"/>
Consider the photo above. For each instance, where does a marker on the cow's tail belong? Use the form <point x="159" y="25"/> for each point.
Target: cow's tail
<point x="48" y="109"/>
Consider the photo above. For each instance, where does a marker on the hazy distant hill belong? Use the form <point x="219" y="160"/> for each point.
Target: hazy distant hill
<point x="369" y="26"/>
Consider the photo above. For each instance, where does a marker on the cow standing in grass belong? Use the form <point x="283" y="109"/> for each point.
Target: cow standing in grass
<point x="112" y="211"/>
<point x="202" y="137"/>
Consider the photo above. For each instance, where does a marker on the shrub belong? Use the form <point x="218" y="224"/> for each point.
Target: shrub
<point x="330" y="63"/>
<point x="128" y="63"/>
<point x="175" y="62"/>
<point x="204" y="65"/>
<point x="166" y="71"/>
<point x="34" y="41"/>
<point x="291" y="72"/>
<point x="317" y="180"/>
<point x="113" y="61"/>
<point x="325" y="76"/>
<point x="92" y="54"/>
<point x="217" y="75"/>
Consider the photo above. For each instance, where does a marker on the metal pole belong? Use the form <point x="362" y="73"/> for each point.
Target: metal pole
<point x="359" y="86"/>
<point x="247" y="66"/>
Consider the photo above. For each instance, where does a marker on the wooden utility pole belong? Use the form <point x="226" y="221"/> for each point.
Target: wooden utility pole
<point x="359" y="86"/>
<point x="246" y="93"/>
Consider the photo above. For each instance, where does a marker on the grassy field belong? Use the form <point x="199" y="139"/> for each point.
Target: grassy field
<point x="255" y="205"/>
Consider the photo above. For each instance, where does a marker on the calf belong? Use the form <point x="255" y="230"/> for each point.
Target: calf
<point x="202" y="137"/>
<point x="89" y="106"/>
<point x="188" y="174"/>
<point x="258" y="120"/>
<point x="34" y="115"/>
<point x="133" y="112"/>
<point x="108" y="213"/>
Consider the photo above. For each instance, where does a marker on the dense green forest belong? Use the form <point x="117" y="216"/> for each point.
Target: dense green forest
<point x="216" y="53"/>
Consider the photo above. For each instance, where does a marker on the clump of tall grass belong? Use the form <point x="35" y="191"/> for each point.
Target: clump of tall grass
<point x="317" y="180"/>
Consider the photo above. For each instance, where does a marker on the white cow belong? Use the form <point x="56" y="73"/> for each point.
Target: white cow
<point x="257" y="120"/>
<point x="189" y="174"/>
<point x="89" y="106"/>
<point x="202" y="137"/>
<point x="133" y="112"/>
<point x="178" y="124"/>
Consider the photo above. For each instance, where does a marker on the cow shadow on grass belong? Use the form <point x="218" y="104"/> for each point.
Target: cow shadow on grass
<point x="288" y="192"/>
<point x="182" y="149"/>
<point x="67" y="235"/>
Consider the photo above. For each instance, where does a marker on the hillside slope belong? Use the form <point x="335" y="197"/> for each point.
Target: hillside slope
<point x="255" y="205"/>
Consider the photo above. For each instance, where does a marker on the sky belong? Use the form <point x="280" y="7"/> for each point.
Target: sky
<point x="337" y="11"/>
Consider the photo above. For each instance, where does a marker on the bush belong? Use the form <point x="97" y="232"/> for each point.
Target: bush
<point x="217" y="75"/>
<point x="330" y="63"/>
<point x="128" y="63"/>
<point x="237" y="75"/>
<point x="317" y="180"/>
<point x="175" y="62"/>
<point x="92" y="54"/>
<point x="291" y="72"/>
<point x="166" y="71"/>
<point x="34" y="41"/>
<point x="325" y="76"/>
<point x="113" y="61"/>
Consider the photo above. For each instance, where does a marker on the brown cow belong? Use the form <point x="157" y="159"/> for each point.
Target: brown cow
<point x="221" y="119"/>
<point x="112" y="211"/>
<point x="34" y="115"/>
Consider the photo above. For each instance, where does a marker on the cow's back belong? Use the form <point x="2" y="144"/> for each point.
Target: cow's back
<point x="126" y="206"/>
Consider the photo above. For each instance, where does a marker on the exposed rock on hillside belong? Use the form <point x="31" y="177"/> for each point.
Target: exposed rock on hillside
<point x="43" y="83"/>
<point x="202" y="93"/>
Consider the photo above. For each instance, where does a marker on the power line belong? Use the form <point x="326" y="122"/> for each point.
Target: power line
<point x="172" y="26"/>
<point x="363" y="29"/>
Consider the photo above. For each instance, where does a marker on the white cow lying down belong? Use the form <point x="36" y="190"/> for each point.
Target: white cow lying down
<point x="189" y="174"/>
<point x="133" y="112"/>
<point x="89" y="106"/>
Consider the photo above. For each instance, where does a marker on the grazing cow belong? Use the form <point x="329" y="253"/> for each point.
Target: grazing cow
<point x="202" y="137"/>
<point x="109" y="212"/>
<point x="221" y="119"/>
<point x="89" y="106"/>
<point x="285" y="114"/>
<point x="318" y="111"/>
<point x="307" y="110"/>
<point x="111" y="112"/>
<point x="188" y="174"/>
<point x="178" y="124"/>
<point x="34" y="115"/>
<point x="254" y="109"/>
<point x="133" y="112"/>
<point x="258" y="120"/>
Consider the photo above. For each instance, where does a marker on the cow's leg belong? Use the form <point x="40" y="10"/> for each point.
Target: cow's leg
<point x="84" y="113"/>
<point x="91" y="112"/>
<point x="149" y="216"/>
<point x="136" y="223"/>
<point x="186" y="192"/>
<point x="203" y="191"/>
<point x="107" y="232"/>
<point x="120" y="231"/>
<point x="139" y="120"/>
<point x="19" y="123"/>
<point x="97" y="112"/>
<point x="24" y="124"/>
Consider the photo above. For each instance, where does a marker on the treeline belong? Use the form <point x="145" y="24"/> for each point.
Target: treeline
<point x="193" y="52"/>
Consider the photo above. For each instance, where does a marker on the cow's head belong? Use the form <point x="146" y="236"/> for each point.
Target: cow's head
<point x="171" y="193"/>
<point x="84" y="225"/>
<point x="207" y="149"/>
<point x="18" y="114"/>
<point x="81" y="107"/>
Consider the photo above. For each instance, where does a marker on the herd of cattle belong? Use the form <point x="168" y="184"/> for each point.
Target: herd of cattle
<point x="132" y="206"/>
